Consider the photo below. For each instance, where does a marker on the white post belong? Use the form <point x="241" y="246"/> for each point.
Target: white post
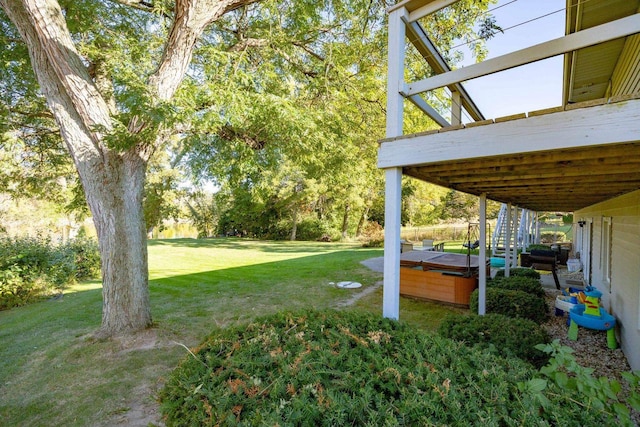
<point x="391" y="289"/>
<point x="507" y="243"/>
<point x="516" y="226"/>
<point x="456" y="108"/>
<point x="527" y="229"/>
<point x="482" y="257"/>
<point x="393" y="176"/>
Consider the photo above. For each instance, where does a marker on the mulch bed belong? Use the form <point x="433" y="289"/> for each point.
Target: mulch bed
<point x="591" y="347"/>
<point x="590" y="350"/>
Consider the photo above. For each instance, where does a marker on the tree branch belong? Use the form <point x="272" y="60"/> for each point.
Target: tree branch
<point x="191" y="19"/>
<point x="244" y="44"/>
<point x="137" y="4"/>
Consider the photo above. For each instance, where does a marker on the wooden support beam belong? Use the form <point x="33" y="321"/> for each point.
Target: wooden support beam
<point x="610" y="31"/>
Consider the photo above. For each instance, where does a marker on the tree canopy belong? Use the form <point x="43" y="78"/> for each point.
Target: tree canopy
<point x="279" y="103"/>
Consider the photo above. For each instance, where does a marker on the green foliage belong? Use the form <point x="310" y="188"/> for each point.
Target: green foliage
<point x="31" y="268"/>
<point x="459" y="205"/>
<point x="346" y="368"/>
<point x="507" y="336"/>
<point x="552" y="236"/>
<point x="512" y="303"/>
<point x="86" y="257"/>
<point x="315" y="229"/>
<point x="604" y="398"/>
<point x="519" y="272"/>
<point x="538" y="247"/>
<point x="530" y="285"/>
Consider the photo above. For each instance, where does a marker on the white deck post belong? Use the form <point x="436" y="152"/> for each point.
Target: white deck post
<point x="391" y="290"/>
<point x="482" y="258"/>
<point x="393" y="176"/>
<point x="456" y="108"/>
<point x="507" y="243"/>
<point x="516" y="226"/>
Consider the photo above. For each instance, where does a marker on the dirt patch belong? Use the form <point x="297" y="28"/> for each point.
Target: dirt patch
<point x="358" y="295"/>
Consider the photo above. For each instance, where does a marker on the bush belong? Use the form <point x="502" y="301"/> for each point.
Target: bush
<point x="348" y="368"/>
<point x="519" y="283"/>
<point x="32" y="268"/>
<point x="315" y="229"/>
<point x="538" y="247"/>
<point x="512" y="303"/>
<point x="519" y="272"/>
<point x="552" y="236"/>
<point x="86" y="257"/>
<point x="372" y="235"/>
<point x="509" y="336"/>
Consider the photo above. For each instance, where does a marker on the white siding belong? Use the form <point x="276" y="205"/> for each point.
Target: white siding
<point x="622" y="298"/>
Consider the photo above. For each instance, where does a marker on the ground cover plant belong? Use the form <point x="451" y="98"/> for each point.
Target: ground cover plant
<point x="53" y="373"/>
<point x="329" y="368"/>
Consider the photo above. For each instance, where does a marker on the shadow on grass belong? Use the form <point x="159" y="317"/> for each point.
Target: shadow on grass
<point x="258" y="289"/>
<point x="236" y="243"/>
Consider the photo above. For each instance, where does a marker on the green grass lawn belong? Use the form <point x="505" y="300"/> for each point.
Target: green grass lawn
<point x="53" y="373"/>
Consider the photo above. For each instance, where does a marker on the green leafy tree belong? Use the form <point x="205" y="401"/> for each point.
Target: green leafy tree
<point x="112" y="114"/>
<point x="249" y="85"/>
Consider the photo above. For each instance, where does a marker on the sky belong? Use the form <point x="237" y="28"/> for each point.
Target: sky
<point x="530" y="87"/>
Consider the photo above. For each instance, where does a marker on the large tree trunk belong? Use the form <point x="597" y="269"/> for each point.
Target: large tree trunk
<point x="119" y="219"/>
<point x="113" y="180"/>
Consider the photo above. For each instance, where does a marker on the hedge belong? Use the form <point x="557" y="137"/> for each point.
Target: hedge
<point x="508" y="336"/>
<point x="512" y="303"/>
<point x="519" y="272"/>
<point x="519" y="283"/>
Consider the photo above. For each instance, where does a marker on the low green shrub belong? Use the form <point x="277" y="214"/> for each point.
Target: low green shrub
<point x="538" y="247"/>
<point x="86" y="257"/>
<point x="19" y="286"/>
<point x="508" y="336"/>
<point x="518" y="283"/>
<point x="350" y="368"/>
<point x="32" y="268"/>
<point x="519" y="272"/>
<point x="512" y="303"/>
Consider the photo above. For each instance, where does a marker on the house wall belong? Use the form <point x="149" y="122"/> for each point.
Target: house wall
<point x="621" y="294"/>
<point x="626" y="76"/>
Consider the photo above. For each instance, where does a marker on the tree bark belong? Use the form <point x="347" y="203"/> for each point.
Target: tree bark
<point x="345" y="221"/>
<point x="363" y="219"/>
<point x="294" y="225"/>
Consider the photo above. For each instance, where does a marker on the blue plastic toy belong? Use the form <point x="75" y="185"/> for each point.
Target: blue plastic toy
<point x="599" y="320"/>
